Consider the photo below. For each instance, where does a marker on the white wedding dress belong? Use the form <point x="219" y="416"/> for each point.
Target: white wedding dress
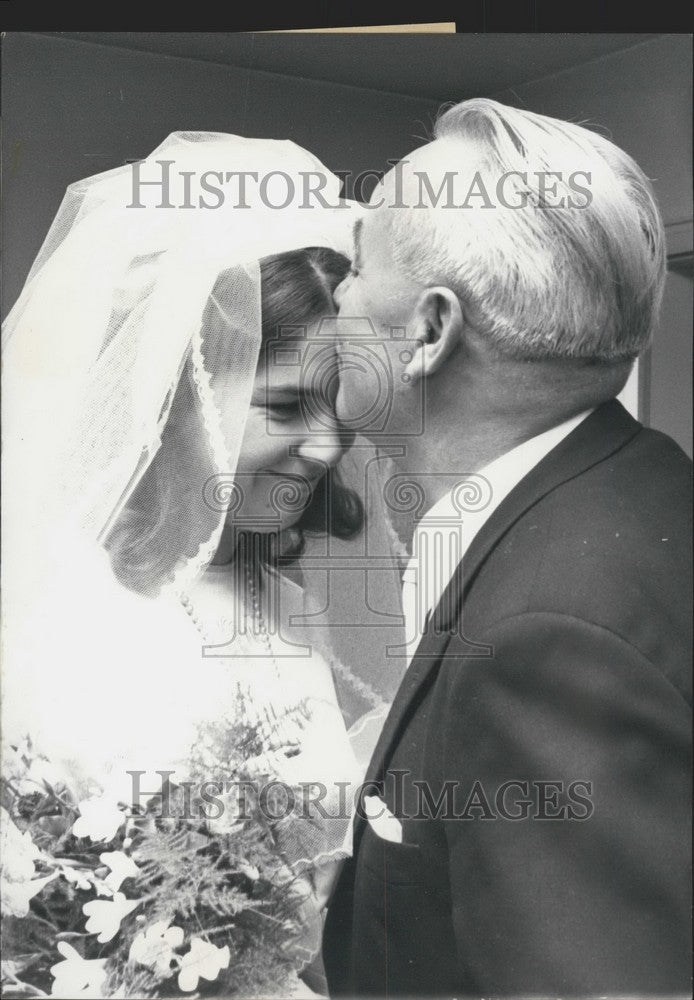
<point x="106" y="682"/>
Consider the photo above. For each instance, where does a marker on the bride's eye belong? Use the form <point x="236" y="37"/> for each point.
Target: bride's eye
<point x="285" y="408"/>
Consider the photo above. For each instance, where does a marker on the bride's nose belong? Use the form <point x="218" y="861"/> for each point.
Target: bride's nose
<point x="326" y="448"/>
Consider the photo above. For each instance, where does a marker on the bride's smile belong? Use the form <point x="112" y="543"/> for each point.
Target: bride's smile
<point x="292" y="436"/>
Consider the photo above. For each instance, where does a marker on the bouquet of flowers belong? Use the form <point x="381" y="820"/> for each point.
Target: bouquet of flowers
<point x="186" y="894"/>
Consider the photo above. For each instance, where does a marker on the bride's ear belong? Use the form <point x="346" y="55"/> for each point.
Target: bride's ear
<point x="438" y="325"/>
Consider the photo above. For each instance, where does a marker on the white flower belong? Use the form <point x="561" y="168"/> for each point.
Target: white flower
<point x="16" y="896"/>
<point x="78" y="878"/>
<point x="99" y="819"/>
<point x="9" y="969"/>
<point x="105" y="916"/>
<point x="250" y="871"/>
<point x="232" y="814"/>
<point x="203" y="961"/>
<point x="13" y="765"/>
<point x="76" y="976"/>
<point x="121" y="866"/>
<point x="85" y="880"/>
<point x="155" y="947"/>
<point x="101" y="888"/>
<point x="17" y="849"/>
<point x="18" y="852"/>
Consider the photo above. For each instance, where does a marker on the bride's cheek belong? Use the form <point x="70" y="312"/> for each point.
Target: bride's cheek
<point x="254" y="435"/>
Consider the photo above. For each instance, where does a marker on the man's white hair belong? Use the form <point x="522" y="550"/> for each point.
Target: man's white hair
<point x="580" y="281"/>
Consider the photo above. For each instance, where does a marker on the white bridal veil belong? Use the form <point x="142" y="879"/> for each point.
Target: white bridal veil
<point x="141" y="312"/>
<point x="112" y="314"/>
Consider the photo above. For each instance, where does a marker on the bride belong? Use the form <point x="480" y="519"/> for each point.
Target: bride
<point x="170" y="442"/>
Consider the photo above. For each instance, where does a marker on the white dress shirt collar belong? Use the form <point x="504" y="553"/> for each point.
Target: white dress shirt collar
<point x="444" y="533"/>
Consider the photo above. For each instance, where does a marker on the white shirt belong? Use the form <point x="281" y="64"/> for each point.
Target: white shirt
<point x="445" y="532"/>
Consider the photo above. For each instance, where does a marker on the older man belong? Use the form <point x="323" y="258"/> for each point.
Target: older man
<point x="528" y="819"/>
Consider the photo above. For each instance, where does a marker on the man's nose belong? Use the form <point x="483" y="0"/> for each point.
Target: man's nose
<point x="339" y="292"/>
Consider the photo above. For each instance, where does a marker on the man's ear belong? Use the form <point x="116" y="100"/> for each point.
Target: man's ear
<point x="438" y="324"/>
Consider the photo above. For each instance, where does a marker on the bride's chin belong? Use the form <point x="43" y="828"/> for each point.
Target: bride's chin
<point x="291" y="520"/>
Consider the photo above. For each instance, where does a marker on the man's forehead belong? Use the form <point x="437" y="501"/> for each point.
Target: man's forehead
<point x="428" y="157"/>
<point x="371" y="234"/>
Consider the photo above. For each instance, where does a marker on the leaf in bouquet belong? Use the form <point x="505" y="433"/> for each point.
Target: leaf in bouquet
<point x="224" y="900"/>
<point x="25" y="937"/>
<point x="50" y="829"/>
<point x="138" y="825"/>
<point x="225" y="745"/>
<point x="260" y="967"/>
<point x="60" y="906"/>
<point x="44" y="777"/>
<point x="162" y="854"/>
<point x="127" y="980"/>
<point x="173" y="872"/>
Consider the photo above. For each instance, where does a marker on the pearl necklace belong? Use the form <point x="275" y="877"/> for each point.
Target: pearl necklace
<point x="273" y="729"/>
<point x="259" y="626"/>
<point x="258" y="619"/>
<point x="364" y="690"/>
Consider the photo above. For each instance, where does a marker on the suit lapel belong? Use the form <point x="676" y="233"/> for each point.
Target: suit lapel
<point x="601" y="434"/>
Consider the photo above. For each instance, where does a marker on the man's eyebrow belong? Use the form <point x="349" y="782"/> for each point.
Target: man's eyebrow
<point x="356" y="238"/>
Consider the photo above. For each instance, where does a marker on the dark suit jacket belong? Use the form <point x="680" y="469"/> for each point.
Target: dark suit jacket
<point x="568" y="676"/>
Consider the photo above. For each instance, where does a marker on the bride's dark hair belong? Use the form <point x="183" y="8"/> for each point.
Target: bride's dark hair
<point x="295" y="285"/>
